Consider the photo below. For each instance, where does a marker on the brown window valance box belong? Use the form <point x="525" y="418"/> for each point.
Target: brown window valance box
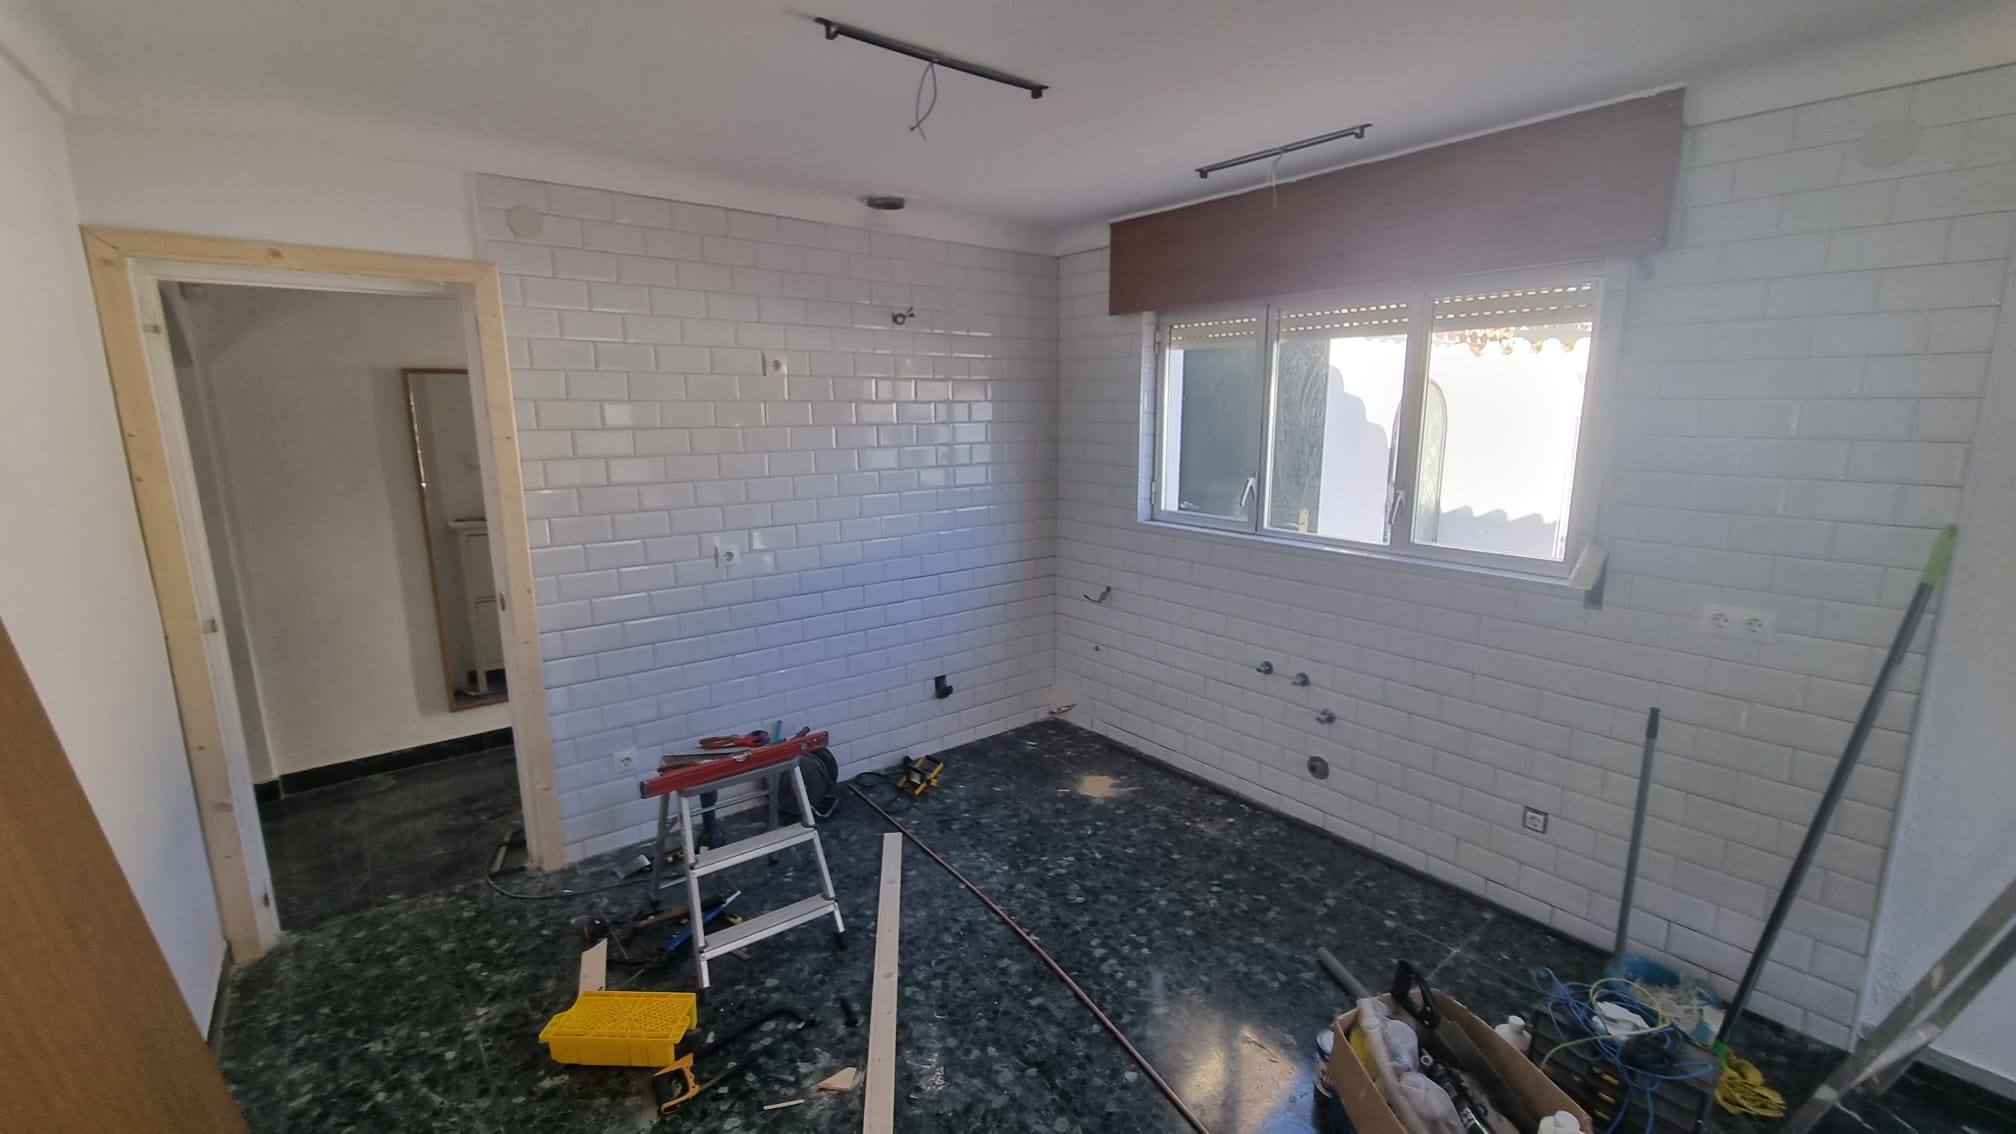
<point x="1596" y="184"/>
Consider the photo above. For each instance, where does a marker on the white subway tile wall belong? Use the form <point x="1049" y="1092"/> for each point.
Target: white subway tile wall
<point x="890" y="492"/>
<point x="1791" y="420"/>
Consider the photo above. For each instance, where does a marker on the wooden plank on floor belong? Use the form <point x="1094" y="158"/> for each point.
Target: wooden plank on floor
<point x="595" y="968"/>
<point x="878" y="1101"/>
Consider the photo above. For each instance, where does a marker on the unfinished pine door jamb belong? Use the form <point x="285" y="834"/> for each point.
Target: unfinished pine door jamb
<point x="122" y="263"/>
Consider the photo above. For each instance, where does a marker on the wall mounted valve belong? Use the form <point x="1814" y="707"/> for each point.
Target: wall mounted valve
<point x="1265" y="667"/>
<point x="1326" y="717"/>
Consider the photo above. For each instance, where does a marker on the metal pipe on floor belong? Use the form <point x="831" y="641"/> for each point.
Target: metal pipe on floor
<point x="1154" y="1076"/>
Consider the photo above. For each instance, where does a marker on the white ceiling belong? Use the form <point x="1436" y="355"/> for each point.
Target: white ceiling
<point x="1142" y="90"/>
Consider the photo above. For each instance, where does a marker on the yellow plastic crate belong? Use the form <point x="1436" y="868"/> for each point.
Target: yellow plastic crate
<point x="620" y="1029"/>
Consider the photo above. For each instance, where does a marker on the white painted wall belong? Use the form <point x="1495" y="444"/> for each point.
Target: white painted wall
<point x="274" y="172"/>
<point x="315" y="442"/>
<point x="74" y="589"/>
<point x="1953" y="847"/>
<point x="183" y="178"/>
<point x="1801" y="375"/>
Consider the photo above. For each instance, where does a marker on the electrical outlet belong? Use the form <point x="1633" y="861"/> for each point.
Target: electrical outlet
<point x="625" y="760"/>
<point x="1740" y="622"/>
<point x="726" y="555"/>
<point x="774" y="365"/>
<point x="1535" y="820"/>
<point x="1758" y="625"/>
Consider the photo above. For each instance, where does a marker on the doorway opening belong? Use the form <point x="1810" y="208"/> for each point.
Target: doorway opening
<point x="333" y="440"/>
<point x="323" y="451"/>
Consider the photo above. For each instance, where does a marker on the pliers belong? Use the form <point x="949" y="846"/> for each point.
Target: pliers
<point x="756" y="739"/>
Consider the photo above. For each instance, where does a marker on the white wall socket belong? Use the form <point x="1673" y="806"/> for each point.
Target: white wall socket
<point x="1741" y="622"/>
<point x="725" y="555"/>
<point x="625" y="761"/>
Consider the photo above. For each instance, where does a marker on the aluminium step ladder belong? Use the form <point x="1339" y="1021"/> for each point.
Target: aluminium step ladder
<point x="1968" y="967"/>
<point x="677" y="788"/>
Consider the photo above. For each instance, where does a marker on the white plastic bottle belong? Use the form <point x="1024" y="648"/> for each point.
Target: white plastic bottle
<point x="1514" y="1032"/>
<point x="1560" y="1122"/>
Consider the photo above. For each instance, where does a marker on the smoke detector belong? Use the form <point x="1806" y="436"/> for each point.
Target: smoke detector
<point x="886" y="202"/>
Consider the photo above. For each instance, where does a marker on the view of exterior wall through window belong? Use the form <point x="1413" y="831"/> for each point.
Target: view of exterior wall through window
<point x="1500" y="431"/>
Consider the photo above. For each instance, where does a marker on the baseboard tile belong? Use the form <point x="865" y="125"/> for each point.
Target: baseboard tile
<point x="308" y="779"/>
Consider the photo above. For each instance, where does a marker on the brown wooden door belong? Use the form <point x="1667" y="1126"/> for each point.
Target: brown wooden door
<point x="94" y="1035"/>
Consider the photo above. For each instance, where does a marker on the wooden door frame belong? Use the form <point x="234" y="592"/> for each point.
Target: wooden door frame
<point x="117" y="258"/>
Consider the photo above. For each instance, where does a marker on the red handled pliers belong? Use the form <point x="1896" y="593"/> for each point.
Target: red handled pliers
<point x="756" y="739"/>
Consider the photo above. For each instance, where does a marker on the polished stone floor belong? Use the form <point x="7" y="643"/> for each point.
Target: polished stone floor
<point x="1191" y="917"/>
<point x="387" y="837"/>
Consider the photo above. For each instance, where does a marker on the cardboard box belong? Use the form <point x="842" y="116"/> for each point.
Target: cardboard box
<point x="1367" y="1108"/>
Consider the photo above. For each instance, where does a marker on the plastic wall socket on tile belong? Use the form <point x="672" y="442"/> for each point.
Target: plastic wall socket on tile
<point x="1741" y="622"/>
<point x="726" y="555"/>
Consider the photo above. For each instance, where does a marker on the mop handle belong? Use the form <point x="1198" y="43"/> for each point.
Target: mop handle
<point x="1935" y="571"/>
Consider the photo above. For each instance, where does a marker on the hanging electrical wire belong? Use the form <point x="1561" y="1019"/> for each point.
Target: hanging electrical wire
<point x="919" y="110"/>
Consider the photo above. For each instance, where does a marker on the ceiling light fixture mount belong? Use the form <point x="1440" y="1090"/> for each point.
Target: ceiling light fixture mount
<point x="836" y="30"/>
<point x="1357" y="132"/>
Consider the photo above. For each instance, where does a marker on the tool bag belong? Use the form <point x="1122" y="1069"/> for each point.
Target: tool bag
<point x="822" y="785"/>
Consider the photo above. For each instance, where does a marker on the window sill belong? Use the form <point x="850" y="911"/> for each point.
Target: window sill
<point x="1563" y="583"/>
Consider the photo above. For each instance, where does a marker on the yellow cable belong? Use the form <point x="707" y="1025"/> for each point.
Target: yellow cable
<point x="1742" y="1089"/>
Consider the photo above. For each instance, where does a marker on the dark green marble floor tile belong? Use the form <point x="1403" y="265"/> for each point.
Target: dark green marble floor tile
<point x="1192" y="917"/>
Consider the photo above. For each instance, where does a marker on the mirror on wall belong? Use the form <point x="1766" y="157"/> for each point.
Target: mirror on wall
<point x="443" y="414"/>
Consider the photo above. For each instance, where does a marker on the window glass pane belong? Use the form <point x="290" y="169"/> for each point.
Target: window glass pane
<point x="1338" y="375"/>
<point x="1500" y="419"/>
<point x="1211" y="417"/>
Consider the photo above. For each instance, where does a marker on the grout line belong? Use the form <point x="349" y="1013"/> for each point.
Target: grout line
<point x="1457" y="950"/>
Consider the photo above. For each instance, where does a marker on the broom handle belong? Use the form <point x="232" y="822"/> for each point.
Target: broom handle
<point x="1637" y="840"/>
<point x="1935" y="570"/>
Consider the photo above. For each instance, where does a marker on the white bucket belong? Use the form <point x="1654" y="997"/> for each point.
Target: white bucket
<point x="1326" y="1042"/>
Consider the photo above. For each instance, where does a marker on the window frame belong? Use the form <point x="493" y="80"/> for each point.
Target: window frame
<point x="1610" y="279"/>
<point x="1263" y="362"/>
